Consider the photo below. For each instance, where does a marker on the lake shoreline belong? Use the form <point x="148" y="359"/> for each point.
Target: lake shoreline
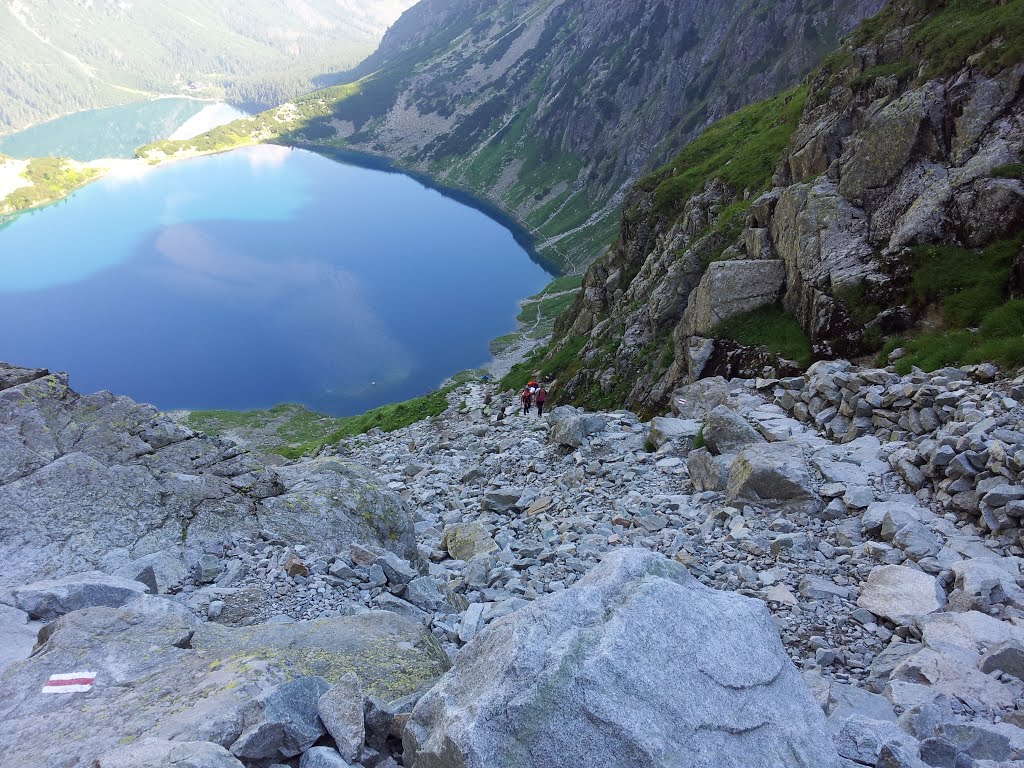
<point x="502" y="360"/>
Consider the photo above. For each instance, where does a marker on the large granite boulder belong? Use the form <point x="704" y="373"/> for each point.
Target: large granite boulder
<point x="636" y="665"/>
<point x="667" y="429"/>
<point x="161" y="674"/>
<point x="571" y="427"/>
<point x="983" y="583"/>
<point x="725" y="431"/>
<point x="773" y="475"/>
<point x="101" y="482"/>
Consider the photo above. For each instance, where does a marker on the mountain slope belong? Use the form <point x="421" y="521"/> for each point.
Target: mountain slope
<point x="61" y="56"/>
<point x="896" y="219"/>
<point x="550" y="108"/>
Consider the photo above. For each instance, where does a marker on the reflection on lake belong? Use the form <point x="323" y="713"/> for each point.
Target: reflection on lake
<point x="261" y="276"/>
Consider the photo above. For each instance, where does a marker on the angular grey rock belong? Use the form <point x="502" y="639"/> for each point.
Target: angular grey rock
<point x="282" y="723"/>
<point x="52" y="598"/>
<point x="901" y="594"/>
<point x="1007" y="657"/>
<point x="774" y="475"/>
<point x="861" y="739"/>
<point x="571" y="428"/>
<point x="887" y="661"/>
<point x="594" y="671"/>
<point x="405" y="609"/>
<point x="695" y="400"/>
<point x="207" y="569"/>
<point x="341" y="711"/>
<point x="424" y="594"/>
<point x="984" y="582"/>
<point x="707" y="472"/>
<point x="897" y="754"/>
<point x="397" y="570"/>
<point x="725" y="431"/>
<point x="160" y="753"/>
<point x="322" y="757"/>
<point x="501" y="499"/>
<point x="168" y="568"/>
<point x="464" y="541"/>
<point x="664" y="430"/>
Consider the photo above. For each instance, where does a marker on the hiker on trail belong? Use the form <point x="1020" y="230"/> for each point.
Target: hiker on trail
<point x="541" y="397"/>
<point x="527" y="397"/>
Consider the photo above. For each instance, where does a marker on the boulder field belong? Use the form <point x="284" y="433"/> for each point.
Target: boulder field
<point x="825" y="570"/>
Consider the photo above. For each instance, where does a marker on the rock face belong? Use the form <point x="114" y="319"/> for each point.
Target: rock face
<point x="563" y="681"/>
<point x="159" y="753"/>
<point x="730" y="288"/>
<point x="161" y="674"/>
<point x="159" y="494"/>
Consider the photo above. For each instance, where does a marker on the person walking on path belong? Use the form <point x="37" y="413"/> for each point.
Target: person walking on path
<point x="527" y="397"/>
<point x="541" y="398"/>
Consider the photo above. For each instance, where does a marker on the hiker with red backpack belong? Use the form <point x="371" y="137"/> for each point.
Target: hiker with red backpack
<point x="541" y="397"/>
<point x="527" y="397"/>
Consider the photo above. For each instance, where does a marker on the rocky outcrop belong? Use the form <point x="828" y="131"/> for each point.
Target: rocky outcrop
<point x="731" y="288"/>
<point x="161" y="674"/>
<point x="159" y="496"/>
<point x="563" y="680"/>
<point x="900" y="144"/>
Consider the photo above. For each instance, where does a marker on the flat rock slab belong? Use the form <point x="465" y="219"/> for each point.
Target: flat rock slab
<point x="638" y="665"/>
<point x="160" y="674"/>
<point x="900" y="594"/>
<point x="52" y="598"/>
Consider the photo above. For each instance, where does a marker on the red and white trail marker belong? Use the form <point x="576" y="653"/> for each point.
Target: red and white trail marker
<point x="71" y="682"/>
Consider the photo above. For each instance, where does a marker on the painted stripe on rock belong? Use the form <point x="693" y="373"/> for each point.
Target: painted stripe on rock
<point x="70" y="682"/>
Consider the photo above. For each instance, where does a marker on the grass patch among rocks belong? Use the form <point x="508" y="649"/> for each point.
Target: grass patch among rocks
<point x="293" y="430"/>
<point x="980" y="322"/>
<point x="741" y="150"/>
<point x="770" y="327"/>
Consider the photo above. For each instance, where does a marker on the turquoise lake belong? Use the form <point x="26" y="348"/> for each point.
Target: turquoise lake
<point x="96" y="134"/>
<point x="262" y="276"/>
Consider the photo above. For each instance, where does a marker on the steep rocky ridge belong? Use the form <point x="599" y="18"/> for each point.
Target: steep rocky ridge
<point x="909" y="137"/>
<point x="551" y="108"/>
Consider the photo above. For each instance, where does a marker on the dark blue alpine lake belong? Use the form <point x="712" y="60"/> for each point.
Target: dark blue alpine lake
<point x="261" y="276"/>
